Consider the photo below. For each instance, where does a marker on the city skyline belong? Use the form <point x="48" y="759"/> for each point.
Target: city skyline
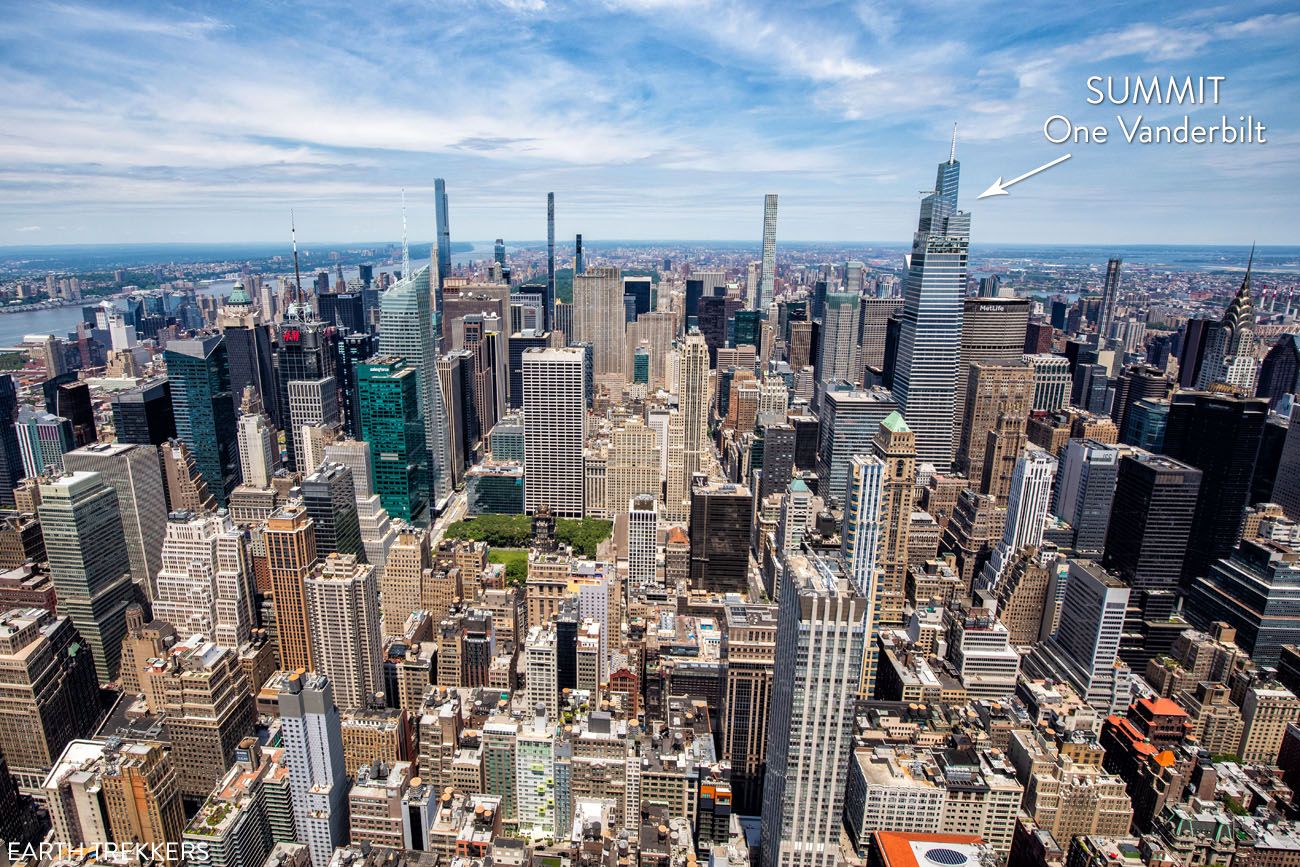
<point x="200" y="132"/>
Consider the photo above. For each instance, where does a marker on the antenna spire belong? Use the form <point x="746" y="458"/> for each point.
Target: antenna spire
<point x="406" y="250"/>
<point x="1245" y="284"/>
<point x="952" y="153"/>
<point x="297" y="274"/>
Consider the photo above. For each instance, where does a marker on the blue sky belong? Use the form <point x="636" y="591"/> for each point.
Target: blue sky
<point x="649" y="119"/>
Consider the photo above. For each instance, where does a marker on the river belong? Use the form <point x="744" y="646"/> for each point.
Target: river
<point x="61" y="320"/>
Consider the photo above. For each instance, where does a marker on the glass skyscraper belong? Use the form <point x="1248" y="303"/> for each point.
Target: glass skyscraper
<point x="199" y="372"/>
<point x="407" y="329"/>
<point x="389" y="415"/>
<point x="929" y="342"/>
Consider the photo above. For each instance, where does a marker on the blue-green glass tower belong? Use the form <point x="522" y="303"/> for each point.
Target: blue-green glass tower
<point x="389" y="412"/>
<point x="198" y="369"/>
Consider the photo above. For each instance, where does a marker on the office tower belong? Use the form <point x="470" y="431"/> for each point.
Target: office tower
<point x="642" y="541"/>
<point x="11" y="458"/>
<point x="778" y="457"/>
<point x="767" y="274"/>
<point x="642" y="289"/>
<point x="1084" y="650"/>
<point x="1219" y="434"/>
<point x="443" y="228"/>
<point x="632" y="468"/>
<point x="548" y="301"/>
<point x="819" y="648"/>
<point x="1279" y="375"/>
<point x="579" y="264"/>
<point x="749" y="645"/>
<point x="598" y="317"/>
<point x="353" y="350"/>
<point x="290" y="539"/>
<point x="313" y="406"/>
<point x="849" y="420"/>
<point x="1192" y="355"/>
<point x="873" y="321"/>
<point x="929" y="342"/>
<point x="68" y="397"/>
<point x="205" y="694"/>
<point x="406" y="330"/>
<point x="1254" y="589"/>
<point x="838" y="359"/>
<point x="715" y="312"/>
<point x="992" y="331"/>
<point x="1051" y="381"/>
<point x="185" y="487"/>
<point x="205" y="583"/>
<point x="993" y="389"/>
<point x="343" y="607"/>
<point x="1230" y="344"/>
<point x="133" y="472"/>
<point x="1137" y="382"/>
<point x="143" y="415"/>
<point x="1109" y="300"/>
<point x="555" y="430"/>
<point x="249" y="350"/>
<point x="389" y="410"/>
<point x="1027" y="505"/>
<point x="861" y="548"/>
<point x="89" y="563"/>
<point x="1151" y="521"/>
<point x="199" y="373"/>
<point x="1004" y="444"/>
<point x="43" y="440"/>
<point x="796" y="516"/>
<point x="895" y="445"/>
<point x="721" y="517"/>
<point x="313" y="745"/>
<point x="1145" y="423"/>
<point x="331" y="503"/>
<point x="49" y="693"/>
<point x="1084" y="493"/>
<point x="344" y="310"/>
<point x="1286" y="487"/>
<point x="450" y="386"/>
<point x="519" y="343"/>
<point x="259" y="449"/>
<point x="694" y="292"/>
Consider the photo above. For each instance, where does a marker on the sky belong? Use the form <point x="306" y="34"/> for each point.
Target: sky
<point x="649" y="119"/>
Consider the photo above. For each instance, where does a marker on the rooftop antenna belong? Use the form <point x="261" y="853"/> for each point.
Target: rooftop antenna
<point x="406" y="251"/>
<point x="297" y="274"/>
<point x="952" y="153"/>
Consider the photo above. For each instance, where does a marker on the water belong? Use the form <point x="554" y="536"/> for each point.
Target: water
<point x="61" y="320"/>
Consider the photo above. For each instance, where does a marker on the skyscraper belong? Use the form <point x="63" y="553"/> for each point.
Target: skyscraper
<point x="290" y="540"/>
<point x="642" y="540"/>
<point x="861" y="547"/>
<point x="1230" y="344"/>
<point x="143" y="415"/>
<point x="548" y="302"/>
<point x="992" y="331"/>
<point x="1085" y="491"/>
<point x="305" y="354"/>
<point x="331" y="502"/>
<point x="1151" y="521"/>
<point x="1219" y="434"/>
<point x="555" y="430"/>
<point x="929" y="342"/>
<point x="406" y="329"/>
<point x="767" y="272"/>
<point x="249" y="349"/>
<point x="721" y="515"/>
<point x="850" y="419"/>
<point x="259" y="448"/>
<point x="343" y="605"/>
<point x="819" y="647"/>
<point x="444" y="231"/>
<point x="43" y="440"/>
<point x="389" y="406"/>
<point x="895" y="445"/>
<point x="205" y="584"/>
<point x="313" y="744"/>
<point x="11" y="460"/>
<point x="693" y="417"/>
<point x="579" y="264"/>
<point x="1109" y="298"/>
<point x="134" y="473"/>
<point x="749" y="643"/>
<point x="199" y="372"/>
<point x="839" y="339"/>
<point x="89" y="563"/>
<point x="598" y="317"/>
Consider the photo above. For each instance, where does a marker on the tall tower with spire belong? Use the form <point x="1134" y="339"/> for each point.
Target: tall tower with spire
<point x="929" y="341"/>
<point x="1231" y="345"/>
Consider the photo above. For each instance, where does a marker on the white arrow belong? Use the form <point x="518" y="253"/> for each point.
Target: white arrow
<point x="999" y="187"/>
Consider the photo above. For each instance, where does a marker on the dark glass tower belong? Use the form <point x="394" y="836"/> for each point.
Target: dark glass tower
<point x="1151" y="520"/>
<point x="199" y="372"/>
<point x="143" y="415"/>
<point x="444" y="234"/>
<point x="306" y="353"/>
<point x="352" y="350"/>
<point x="1220" y="435"/>
<point x="331" y="502"/>
<point x="721" y="515"/>
<point x="11" y="459"/>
